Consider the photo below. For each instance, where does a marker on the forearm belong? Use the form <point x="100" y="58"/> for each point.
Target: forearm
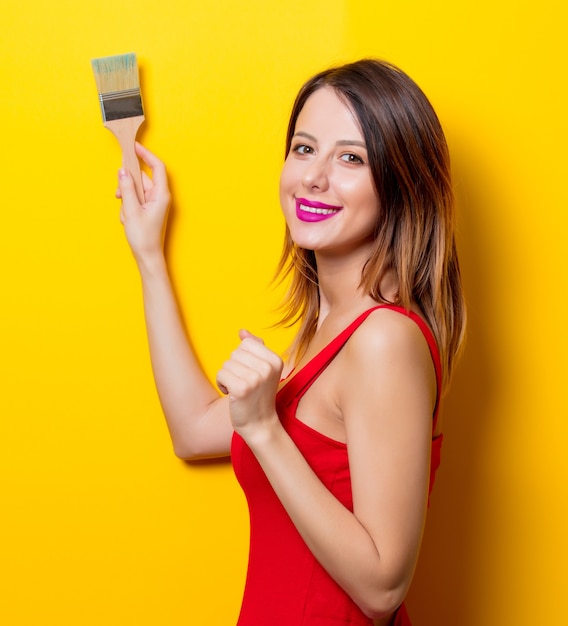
<point x="186" y="394"/>
<point x="335" y="536"/>
<point x="198" y="419"/>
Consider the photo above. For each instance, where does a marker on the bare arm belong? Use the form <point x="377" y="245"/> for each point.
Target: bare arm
<point x="197" y="417"/>
<point x="387" y="400"/>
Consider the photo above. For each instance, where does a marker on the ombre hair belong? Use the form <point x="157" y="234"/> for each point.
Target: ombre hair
<point x="414" y="234"/>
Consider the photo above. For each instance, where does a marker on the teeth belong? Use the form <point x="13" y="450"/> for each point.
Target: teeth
<point x="310" y="209"/>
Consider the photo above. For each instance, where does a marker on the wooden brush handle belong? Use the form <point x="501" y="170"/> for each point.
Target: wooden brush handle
<point x="125" y="131"/>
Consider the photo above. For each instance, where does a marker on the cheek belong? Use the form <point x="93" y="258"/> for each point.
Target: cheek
<point x="364" y="199"/>
<point x="286" y="173"/>
<point x="362" y="190"/>
<point x="286" y="180"/>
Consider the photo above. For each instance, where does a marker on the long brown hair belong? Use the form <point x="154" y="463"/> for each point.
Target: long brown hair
<point x="414" y="235"/>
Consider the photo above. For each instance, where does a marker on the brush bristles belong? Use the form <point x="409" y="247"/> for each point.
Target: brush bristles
<point x="116" y="73"/>
<point x="118" y="86"/>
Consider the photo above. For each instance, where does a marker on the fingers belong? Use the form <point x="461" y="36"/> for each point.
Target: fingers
<point x="245" y="334"/>
<point x="154" y="163"/>
<point x="243" y="359"/>
<point x="146" y="184"/>
<point x="242" y="373"/>
<point x="156" y="190"/>
<point x="251" y="365"/>
<point x="237" y="380"/>
<point x="126" y="190"/>
<point x="144" y="222"/>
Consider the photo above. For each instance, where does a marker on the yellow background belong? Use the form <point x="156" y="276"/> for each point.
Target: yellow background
<point x="99" y="522"/>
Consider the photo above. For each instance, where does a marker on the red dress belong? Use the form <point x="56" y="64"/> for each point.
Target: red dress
<point x="285" y="585"/>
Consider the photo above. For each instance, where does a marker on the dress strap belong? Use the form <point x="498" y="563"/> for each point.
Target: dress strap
<point x="298" y="385"/>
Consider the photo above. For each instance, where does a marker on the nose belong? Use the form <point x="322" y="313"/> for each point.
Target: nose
<point x="316" y="175"/>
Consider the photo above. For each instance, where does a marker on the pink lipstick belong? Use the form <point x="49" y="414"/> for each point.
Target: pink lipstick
<point x="312" y="211"/>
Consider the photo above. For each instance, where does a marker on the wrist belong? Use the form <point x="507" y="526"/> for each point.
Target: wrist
<point x="262" y="434"/>
<point x="151" y="264"/>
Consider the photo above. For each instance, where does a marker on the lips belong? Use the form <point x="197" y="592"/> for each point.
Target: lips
<point x="312" y="211"/>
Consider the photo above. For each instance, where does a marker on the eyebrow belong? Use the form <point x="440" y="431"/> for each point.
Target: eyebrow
<point x="340" y="142"/>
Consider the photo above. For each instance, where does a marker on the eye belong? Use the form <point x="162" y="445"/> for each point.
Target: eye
<point x="351" y="158"/>
<point x="302" y="148"/>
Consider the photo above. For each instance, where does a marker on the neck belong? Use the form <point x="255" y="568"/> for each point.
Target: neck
<point x="339" y="278"/>
<point x="338" y="282"/>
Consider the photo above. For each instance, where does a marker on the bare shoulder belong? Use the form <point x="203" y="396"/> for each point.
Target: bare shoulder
<point x="387" y="332"/>
<point x="389" y="348"/>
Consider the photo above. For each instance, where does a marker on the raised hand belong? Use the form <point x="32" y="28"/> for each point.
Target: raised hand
<point x="144" y="224"/>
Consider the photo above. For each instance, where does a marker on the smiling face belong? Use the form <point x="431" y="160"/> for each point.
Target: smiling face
<point x="326" y="187"/>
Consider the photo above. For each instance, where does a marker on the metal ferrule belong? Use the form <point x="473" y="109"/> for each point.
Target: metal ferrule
<point x="120" y="104"/>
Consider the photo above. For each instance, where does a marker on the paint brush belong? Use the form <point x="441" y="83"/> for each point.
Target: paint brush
<point x="121" y="105"/>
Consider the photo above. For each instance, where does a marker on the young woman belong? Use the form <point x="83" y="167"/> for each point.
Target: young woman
<point x="336" y="449"/>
